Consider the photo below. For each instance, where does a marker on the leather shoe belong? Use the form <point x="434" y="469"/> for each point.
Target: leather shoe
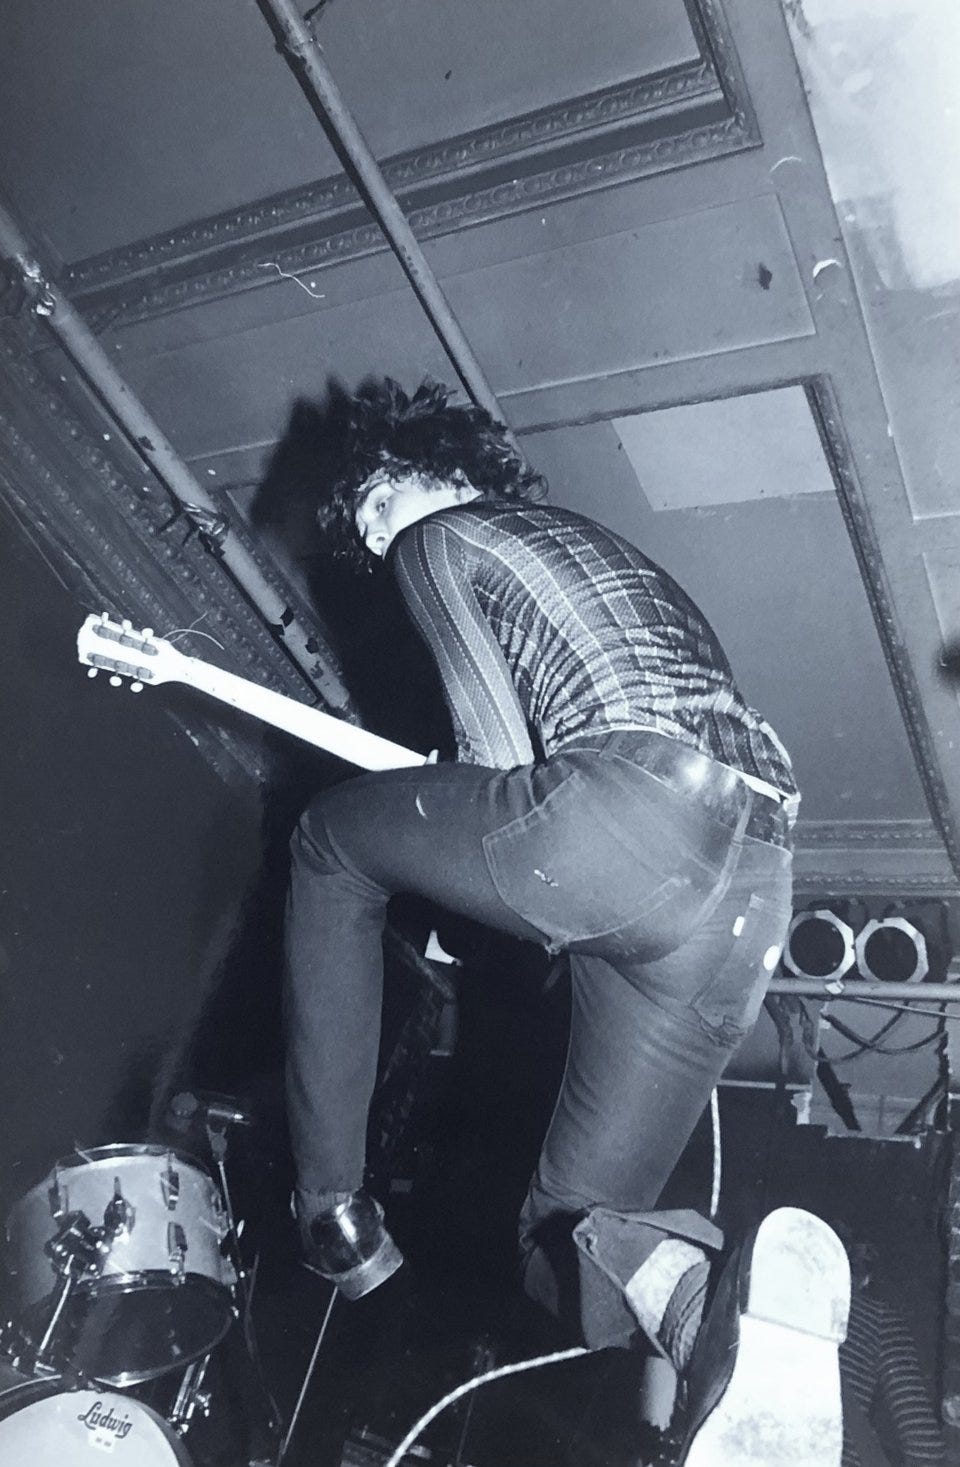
<point x="349" y="1245"/>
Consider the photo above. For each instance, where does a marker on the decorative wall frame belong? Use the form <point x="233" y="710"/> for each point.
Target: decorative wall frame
<point x="118" y="541"/>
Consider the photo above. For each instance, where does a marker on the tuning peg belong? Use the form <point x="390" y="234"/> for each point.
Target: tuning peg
<point x="136" y="687"/>
<point x="92" y="671"/>
<point x="127" y="625"/>
<point x="147" y="632"/>
<point x="105" y="616"/>
<point x="116" y="682"/>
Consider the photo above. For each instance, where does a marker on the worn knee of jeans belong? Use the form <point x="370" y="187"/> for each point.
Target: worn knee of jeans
<point x="313" y="842"/>
<point x="314" y="847"/>
<point x="310" y="842"/>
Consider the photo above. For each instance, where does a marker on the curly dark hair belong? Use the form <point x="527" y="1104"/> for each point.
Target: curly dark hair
<point x="386" y="430"/>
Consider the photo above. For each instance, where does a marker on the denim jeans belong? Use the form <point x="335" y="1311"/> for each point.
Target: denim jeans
<point x="672" y="910"/>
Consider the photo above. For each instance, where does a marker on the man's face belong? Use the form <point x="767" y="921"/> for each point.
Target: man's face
<point x="395" y="501"/>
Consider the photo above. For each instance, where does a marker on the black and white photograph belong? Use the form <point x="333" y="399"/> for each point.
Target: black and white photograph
<point x="480" y="751"/>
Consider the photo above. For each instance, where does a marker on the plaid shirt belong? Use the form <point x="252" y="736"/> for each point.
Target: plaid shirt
<point x="546" y="627"/>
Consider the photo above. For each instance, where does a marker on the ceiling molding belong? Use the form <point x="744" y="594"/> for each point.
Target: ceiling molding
<point x="912" y="834"/>
<point x="647" y="125"/>
<point x="872" y="858"/>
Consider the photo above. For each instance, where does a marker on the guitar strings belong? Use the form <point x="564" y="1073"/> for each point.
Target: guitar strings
<point x="192" y="630"/>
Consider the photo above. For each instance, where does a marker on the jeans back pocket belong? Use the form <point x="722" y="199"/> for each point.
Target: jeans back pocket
<point x="598" y="852"/>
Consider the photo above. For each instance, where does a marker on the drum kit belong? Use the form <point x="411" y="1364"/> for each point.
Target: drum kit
<point x="125" y="1271"/>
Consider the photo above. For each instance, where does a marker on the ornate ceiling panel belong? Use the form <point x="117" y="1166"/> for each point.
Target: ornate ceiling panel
<point x="622" y="93"/>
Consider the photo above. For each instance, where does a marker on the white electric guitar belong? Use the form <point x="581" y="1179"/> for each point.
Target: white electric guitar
<point x="115" y="648"/>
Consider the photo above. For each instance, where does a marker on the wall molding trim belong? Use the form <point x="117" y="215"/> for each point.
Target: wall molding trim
<point x="863" y="538"/>
<point x="645" y="126"/>
<point x="872" y="858"/>
<point x="117" y="543"/>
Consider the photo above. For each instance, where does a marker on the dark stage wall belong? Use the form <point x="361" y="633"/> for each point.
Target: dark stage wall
<point x="127" y="872"/>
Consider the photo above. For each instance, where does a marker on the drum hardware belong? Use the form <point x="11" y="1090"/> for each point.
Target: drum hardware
<point x="151" y="1291"/>
<point x="219" y="1115"/>
<point x="148" y="1292"/>
<point x="56" y="1196"/>
<point x="118" y="1215"/>
<point x="190" y="1398"/>
<point x="222" y="1110"/>
<point x="18" y="1353"/>
<point x="77" y="1249"/>
<point x="177" y="1250"/>
<point x="170" y="1185"/>
<point x="58" y="1420"/>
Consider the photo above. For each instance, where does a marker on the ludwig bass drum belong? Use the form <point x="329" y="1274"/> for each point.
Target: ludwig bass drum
<point x="160" y="1294"/>
<point x="42" y="1424"/>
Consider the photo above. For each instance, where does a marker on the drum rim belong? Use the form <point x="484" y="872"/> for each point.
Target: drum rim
<point x="161" y="1277"/>
<point x="34" y="1382"/>
<point x="89" y="1155"/>
<point x="137" y="1280"/>
<point x="141" y="1377"/>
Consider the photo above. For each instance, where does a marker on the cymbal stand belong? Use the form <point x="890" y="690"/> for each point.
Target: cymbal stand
<point x="50" y="1331"/>
<point x="269" y="1427"/>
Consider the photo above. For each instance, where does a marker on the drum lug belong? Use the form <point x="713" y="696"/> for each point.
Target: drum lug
<point x="57" y="1198"/>
<point x="170" y="1186"/>
<point x="177" y="1249"/>
<point x="118" y="1215"/>
<point x="222" y="1219"/>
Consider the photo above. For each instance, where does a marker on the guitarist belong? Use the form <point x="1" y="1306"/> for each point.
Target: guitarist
<point x="614" y="798"/>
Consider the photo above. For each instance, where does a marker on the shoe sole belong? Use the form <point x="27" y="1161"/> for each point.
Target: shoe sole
<point x="782" y="1401"/>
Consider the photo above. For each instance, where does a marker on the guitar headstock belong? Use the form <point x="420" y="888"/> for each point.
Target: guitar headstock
<point x="115" y="647"/>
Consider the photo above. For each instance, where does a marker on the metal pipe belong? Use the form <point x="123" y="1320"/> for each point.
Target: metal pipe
<point x="83" y="348"/>
<point x="304" y="48"/>
<point x="835" y="988"/>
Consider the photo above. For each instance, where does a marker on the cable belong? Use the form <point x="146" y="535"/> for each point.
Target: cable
<point x="306" y="1379"/>
<point x="869" y="1044"/>
<point x="717" y="1155"/>
<point x="312" y="15"/>
<point x="863" y="1040"/>
<point x="909" y="1125"/>
<point x="910" y="1008"/>
<point x="470" y="1385"/>
<point x="837" y="1094"/>
<point x="855" y="1054"/>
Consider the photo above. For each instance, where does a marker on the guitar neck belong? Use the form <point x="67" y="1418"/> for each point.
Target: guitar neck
<point x="322" y="730"/>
